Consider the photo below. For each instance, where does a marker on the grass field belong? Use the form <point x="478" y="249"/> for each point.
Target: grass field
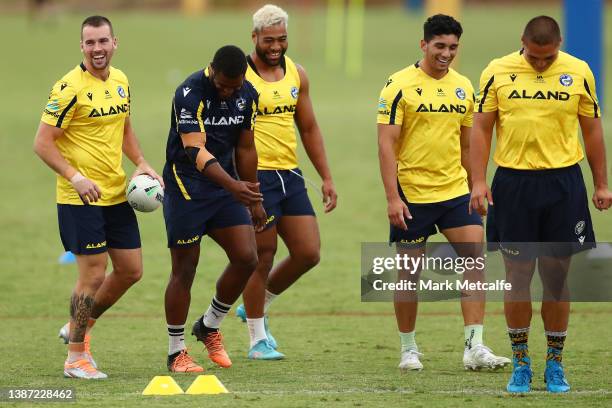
<point x="341" y="352"/>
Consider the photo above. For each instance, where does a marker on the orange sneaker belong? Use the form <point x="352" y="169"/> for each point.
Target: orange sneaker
<point x="82" y="369"/>
<point x="64" y="334"/>
<point x="183" y="363"/>
<point x="214" y="344"/>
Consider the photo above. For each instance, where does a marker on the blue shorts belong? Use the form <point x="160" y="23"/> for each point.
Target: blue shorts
<point x="187" y="221"/>
<point x="451" y="213"/>
<point x="91" y="229"/>
<point x="284" y="193"/>
<point x="539" y="206"/>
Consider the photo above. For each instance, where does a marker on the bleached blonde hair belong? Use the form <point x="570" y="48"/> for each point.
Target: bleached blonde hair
<point x="269" y="15"/>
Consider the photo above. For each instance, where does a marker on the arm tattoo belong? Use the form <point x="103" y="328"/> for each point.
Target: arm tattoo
<point x="80" y="311"/>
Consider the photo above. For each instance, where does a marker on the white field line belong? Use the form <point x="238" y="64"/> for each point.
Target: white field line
<point x="478" y="391"/>
<point x="364" y="391"/>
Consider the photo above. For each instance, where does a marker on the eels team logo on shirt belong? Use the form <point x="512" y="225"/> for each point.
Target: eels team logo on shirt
<point x="566" y="80"/>
<point x="294" y="92"/>
<point x="460" y="93"/>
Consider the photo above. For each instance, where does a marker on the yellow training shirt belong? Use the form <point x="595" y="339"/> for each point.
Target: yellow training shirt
<point x="537" y="112"/>
<point x="92" y="113"/>
<point x="275" y="136"/>
<point x="431" y="113"/>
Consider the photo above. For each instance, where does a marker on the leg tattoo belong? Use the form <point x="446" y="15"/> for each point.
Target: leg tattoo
<point x="80" y="311"/>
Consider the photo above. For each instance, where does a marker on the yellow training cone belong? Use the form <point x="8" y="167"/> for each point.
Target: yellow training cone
<point x="162" y="385"/>
<point x="207" y="384"/>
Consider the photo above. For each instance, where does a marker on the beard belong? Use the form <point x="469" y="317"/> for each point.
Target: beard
<point x="262" y="56"/>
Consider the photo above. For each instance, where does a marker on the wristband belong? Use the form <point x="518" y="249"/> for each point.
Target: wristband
<point x="77" y="177"/>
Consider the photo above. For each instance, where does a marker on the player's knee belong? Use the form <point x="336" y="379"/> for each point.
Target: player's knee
<point x="265" y="257"/>
<point x="92" y="282"/>
<point x="183" y="273"/>
<point x="309" y="257"/>
<point x="130" y="274"/>
<point x="246" y="260"/>
<point x="133" y="276"/>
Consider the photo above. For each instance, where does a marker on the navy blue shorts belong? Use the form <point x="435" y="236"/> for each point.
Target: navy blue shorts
<point x="451" y="213"/>
<point x="284" y="193"/>
<point x="91" y="229"/>
<point x="539" y="206"/>
<point x="187" y="221"/>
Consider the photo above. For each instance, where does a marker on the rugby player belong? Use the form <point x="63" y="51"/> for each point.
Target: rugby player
<point x="284" y="101"/>
<point x="84" y="129"/>
<point x="210" y="145"/>
<point x="536" y="98"/>
<point x="424" y="118"/>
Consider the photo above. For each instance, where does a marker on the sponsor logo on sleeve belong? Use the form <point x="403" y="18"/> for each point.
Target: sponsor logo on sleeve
<point x="186" y="118"/>
<point x="53" y="106"/>
<point x="186" y="91"/>
<point x="382" y="107"/>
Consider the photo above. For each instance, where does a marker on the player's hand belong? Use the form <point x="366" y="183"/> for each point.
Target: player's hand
<point x="330" y="197"/>
<point x="145" y="168"/>
<point x="85" y="188"/>
<point x="602" y="198"/>
<point x="246" y="192"/>
<point x="397" y="210"/>
<point x="480" y="195"/>
<point x="259" y="216"/>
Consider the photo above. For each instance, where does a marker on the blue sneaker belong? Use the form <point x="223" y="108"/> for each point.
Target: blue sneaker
<point x="554" y="377"/>
<point x="241" y="313"/>
<point x="520" y="381"/>
<point x="264" y="351"/>
<point x="271" y="338"/>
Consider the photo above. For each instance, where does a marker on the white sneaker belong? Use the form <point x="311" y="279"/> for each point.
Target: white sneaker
<point x="480" y="356"/>
<point x="409" y="361"/>
<point x="82" y="369"/>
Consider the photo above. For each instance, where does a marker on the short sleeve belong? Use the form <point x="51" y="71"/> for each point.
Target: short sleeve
<point x="61" y="105"/>
<point x="189" y="110"/>
<point x="589" y="105"/>
<point x="129" y="98"/>
<point x="470" y="98"/>
<point x="487" y="94"/>
<point x="390" y="105"/>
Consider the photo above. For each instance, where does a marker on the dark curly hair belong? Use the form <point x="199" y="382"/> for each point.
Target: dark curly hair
<point x="441" y="24"/>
